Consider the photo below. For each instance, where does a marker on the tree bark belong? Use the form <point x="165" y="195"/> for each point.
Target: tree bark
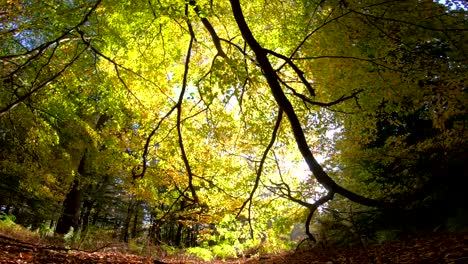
<point x="128" y="219"/>
<point x="88" y="206"/>
<point x="322" y="177"/>
<point x="178" y="237"/>
<point x="71" y="206"/>
<point x="97" y="211"/>
<point x="135" y="220"/>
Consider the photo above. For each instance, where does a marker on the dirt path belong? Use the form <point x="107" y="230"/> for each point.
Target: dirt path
<point x="442" y="248"/>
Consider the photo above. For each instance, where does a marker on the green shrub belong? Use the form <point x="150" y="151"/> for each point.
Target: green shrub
<point x="45" y="230"/>
<point x="275" y="245"/>
<point x="170" y="250"/>
<point x="135" y="247"/>
<point x="7" y="221"/>
<point x="384" y="236"/>
<point x="72" y="237"/>
<point x="201" y="253"/>
<point x="224" y="251"/>
<point x="9" y="227"/>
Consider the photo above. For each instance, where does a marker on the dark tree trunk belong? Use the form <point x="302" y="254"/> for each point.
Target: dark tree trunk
<point x="135" y="221"/>
<point x="88" y="206"/>
<point x="97" y="199"/>
<point x="178" y="237"/>
<point x="71" y="206"/>
<point x="97" y="211"/>
<point x="128" y="219"/>
<point x="71" y="210"/>
<point x="7" y="209"/>
<point x="155" y="230"/>
<point x="169" y="234"/>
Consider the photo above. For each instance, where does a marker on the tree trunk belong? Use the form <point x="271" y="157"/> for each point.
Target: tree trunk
<point x="88" y="206"/>
<point x="97" y="211"/>
<point x="7" y="209"/>
<point x="71" y="206"/>
<point x="178" y="237"/>
<point x="71" y="210"/>
<point x="135" y="220"/>
<point x="126" y="227"/>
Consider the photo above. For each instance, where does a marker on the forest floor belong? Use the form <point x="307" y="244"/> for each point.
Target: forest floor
<point x="440" y="248"/>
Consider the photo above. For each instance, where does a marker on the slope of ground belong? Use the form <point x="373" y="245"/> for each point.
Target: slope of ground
<point x="441" y="248"/>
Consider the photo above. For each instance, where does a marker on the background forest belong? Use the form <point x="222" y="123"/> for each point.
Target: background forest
<point x="226" y="126"/>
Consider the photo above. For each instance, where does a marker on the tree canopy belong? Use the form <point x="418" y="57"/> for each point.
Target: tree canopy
<point x="211" y="122"/>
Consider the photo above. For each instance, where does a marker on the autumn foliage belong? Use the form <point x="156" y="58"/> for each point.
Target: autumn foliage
<point x="233" y="128"/>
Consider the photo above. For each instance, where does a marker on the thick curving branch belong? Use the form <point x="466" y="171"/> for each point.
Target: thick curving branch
<point x="179" y="114"/>
<point x="271" y="76"/>
<point x="147" y="145"/>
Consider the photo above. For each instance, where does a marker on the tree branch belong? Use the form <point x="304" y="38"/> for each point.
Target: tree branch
<point x="312" y="207"/>
<point x="313" y="32"/>
<point x="262" y="162"/>
<point x="322" y="177"/>
<point x="39" y="50"/>
<point x="21" y="99"/>
<point x="351" y="58"/>
<point x="147" y="144"/>
<point x="209" y="27"/>
<point x="296" y="69"/>
<point x="339" y="100"/>
<point x="409" y="23"/>
<point x="179" y="113"/>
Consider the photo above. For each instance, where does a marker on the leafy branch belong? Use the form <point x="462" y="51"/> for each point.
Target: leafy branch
<point x="260" y="169"/>
<point x="40" y="50"/>
<point x="408" y="23"/>
<point x="285" y="191"/>
<point x="147" y="144"/>
<point x="270" y="74"/>
<point x="21" y="99"/>
<point x="373" y="61"/>
<point x="327" y="21"/>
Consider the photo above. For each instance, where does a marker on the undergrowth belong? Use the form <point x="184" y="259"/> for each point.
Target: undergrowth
<point x="96" y="239"/>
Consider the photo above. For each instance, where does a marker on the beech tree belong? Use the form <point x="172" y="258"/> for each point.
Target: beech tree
<point x="201" y="110"/>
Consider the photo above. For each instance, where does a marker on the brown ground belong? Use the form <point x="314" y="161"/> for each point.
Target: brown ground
<point x="441" y="248"/>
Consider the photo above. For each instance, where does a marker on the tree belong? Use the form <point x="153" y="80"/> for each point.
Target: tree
<point x="204" y="105"/>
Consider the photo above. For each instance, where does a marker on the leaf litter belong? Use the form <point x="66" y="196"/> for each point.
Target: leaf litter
<point x="450" y="248"/>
